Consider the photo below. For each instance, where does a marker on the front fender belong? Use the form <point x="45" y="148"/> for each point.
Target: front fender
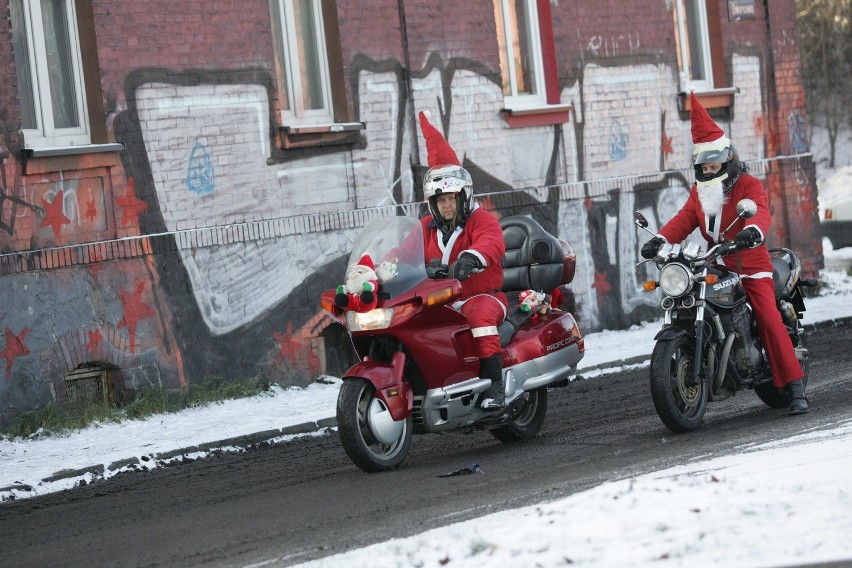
<point x="387" y="379"/>
<point x="671" y="332"/>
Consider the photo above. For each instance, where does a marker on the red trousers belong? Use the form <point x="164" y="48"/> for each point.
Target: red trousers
<point x="485" y="312"/>
<point x="773" y="334"/>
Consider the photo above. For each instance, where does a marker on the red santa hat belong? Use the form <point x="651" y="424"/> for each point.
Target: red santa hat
<point x="438" y="150"/>
<point x="367" y="261"/>
<point x="706" y="134"/>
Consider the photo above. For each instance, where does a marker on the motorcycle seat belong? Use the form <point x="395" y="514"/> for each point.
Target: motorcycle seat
<point x="534" y="259"/>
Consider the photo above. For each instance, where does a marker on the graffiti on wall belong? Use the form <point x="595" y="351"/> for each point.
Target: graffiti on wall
<point x="251" y="235"/>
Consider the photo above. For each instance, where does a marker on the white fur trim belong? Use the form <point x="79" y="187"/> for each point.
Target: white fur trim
<point x="477" y="255"/>
<point x="484" y="331"/>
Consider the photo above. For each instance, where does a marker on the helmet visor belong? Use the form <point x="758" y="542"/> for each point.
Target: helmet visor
<point x="712" y="156"/>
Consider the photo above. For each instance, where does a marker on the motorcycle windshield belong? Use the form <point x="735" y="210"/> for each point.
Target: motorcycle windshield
<point x="395" y="245"/>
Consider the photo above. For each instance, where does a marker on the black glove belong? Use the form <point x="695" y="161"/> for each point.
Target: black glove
<point x="463" y="266"/>
<point x="747" y="238"/>
<point x="649" y="249"/>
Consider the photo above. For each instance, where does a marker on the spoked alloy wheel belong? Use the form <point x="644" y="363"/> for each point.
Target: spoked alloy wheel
<point x="769" y="393"/>
<point x="527" y="422"/>
<point x="680" y="406"/>
<point x="371" y="438"/>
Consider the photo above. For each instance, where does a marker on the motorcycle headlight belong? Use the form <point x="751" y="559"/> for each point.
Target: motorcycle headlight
<point x="374" y="319"/>
<point x="675" y="280"/>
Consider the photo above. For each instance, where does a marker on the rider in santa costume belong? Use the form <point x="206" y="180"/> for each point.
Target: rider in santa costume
<point x="469" y="240"/>
<point x="722" y="181"/>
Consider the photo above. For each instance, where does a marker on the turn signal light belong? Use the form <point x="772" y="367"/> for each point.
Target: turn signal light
<point x="327" y="305"/>
<point x="711" y="278"/>
<point x="439" y="296"/>
<point x="649" y="285"/>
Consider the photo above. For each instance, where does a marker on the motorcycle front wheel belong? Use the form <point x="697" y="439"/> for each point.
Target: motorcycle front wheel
<point x="527" y="422"/>
<point x="371" y="438"/>
<point x="680" y="406"/>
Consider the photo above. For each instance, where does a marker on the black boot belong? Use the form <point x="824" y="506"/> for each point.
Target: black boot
<point x="798" y="402"/>
<point x="494" y="398"/>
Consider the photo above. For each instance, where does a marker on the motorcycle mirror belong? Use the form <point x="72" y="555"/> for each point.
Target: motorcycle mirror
<point x="746" y="208"/>
<point x="640" y="219"/>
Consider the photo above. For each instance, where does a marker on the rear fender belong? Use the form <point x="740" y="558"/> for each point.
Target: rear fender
<point x="388" y="381"/>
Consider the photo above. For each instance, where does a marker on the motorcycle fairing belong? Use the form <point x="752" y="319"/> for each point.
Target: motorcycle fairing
<point x="387" y="379"/>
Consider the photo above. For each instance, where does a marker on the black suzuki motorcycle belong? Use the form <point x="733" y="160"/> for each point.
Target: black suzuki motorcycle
<point x="709" y="347"/>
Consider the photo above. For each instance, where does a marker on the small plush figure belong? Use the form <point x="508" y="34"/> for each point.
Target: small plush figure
<point x="358" y="291"/>
<point x="532" y="301"/>
<point x="387" y="269"/>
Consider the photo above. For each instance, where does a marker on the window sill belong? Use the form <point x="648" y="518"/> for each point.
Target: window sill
<point x="63" y="158"/>
<point x="710" y="99"/>
<point x="537" y="116"/>
<point x="320" y="134"/>
<point x="72" y="150"/>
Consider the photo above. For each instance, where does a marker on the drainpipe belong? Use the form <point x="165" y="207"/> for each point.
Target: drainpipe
<point x="409" y="89"/>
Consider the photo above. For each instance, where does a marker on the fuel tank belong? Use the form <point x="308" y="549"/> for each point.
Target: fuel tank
<point x="727" y="292"/>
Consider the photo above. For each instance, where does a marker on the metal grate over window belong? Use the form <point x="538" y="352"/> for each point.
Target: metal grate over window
<point x="88" y="385"/>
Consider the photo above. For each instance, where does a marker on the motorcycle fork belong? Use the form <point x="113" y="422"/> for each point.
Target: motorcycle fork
<point x="699" y="330"/>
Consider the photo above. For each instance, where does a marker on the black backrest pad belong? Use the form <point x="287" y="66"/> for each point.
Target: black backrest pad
<point x="533" y="258"/>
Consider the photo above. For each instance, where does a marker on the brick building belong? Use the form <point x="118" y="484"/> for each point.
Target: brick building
<point x="179" y="179"/>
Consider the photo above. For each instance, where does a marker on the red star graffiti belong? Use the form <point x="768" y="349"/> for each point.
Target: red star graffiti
<point x="14" y="348"/>
<point x="91" y="211"/>
<point x="601" y="285"/>
<point x="666" y="146"/>
<point x="292" y="350"/>
<point x="288" y="347"/>
<point x="759" y="125"/>
<point x="94" y="343"/>
<point x="53" y="215"/>
<point x="135" y="310"/>
<point x="131" y="205"/>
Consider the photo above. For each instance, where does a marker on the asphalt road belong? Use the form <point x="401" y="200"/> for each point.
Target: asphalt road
<point x="287" y="504"/>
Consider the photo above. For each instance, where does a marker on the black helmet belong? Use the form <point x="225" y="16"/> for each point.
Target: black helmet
<point x="722" y="152"/>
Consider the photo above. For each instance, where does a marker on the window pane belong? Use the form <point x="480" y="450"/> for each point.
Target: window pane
<point x="22" y="65"/>
<point x="502" y="47"/>
<point x="309" y="67"/>
<point x="523" y="50"/>
<point x="57" y="46"/>
<point x="695" y="55"/>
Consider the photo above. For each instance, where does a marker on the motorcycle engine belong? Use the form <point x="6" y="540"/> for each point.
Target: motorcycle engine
<point x="745" y="353"/>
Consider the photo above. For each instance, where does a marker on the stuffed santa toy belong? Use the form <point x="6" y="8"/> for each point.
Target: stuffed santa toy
<point x="358" y="291"/>
<point x="532" y="301"/>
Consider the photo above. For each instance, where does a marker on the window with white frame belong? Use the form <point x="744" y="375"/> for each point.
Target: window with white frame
<point x="303" y="59"/>
<point x="50" y="73"/>
<point x="696" y="70"/>
<point x="521" y="65"/>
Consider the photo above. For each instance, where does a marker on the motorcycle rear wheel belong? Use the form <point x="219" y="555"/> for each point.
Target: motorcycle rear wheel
<point x="680" y="407"/>
<point x="362" y="419"/>
<point x="526" y="423"/>
<point x="769" y="393"/>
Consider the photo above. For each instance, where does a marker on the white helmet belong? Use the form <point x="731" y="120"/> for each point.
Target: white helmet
<point x="448" y="179"/>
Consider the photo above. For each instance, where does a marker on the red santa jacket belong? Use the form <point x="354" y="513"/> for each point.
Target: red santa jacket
<point x="481" y="236"/>
<point x="754" y="262"/>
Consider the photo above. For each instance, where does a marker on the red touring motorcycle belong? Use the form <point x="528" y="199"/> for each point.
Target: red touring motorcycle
<point x="419" y="371"/>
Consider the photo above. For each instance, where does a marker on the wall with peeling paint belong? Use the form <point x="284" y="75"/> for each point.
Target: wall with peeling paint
<point x="200" y="250"/>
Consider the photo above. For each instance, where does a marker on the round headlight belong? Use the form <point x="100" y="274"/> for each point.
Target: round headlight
<point x="675" y="280"/>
